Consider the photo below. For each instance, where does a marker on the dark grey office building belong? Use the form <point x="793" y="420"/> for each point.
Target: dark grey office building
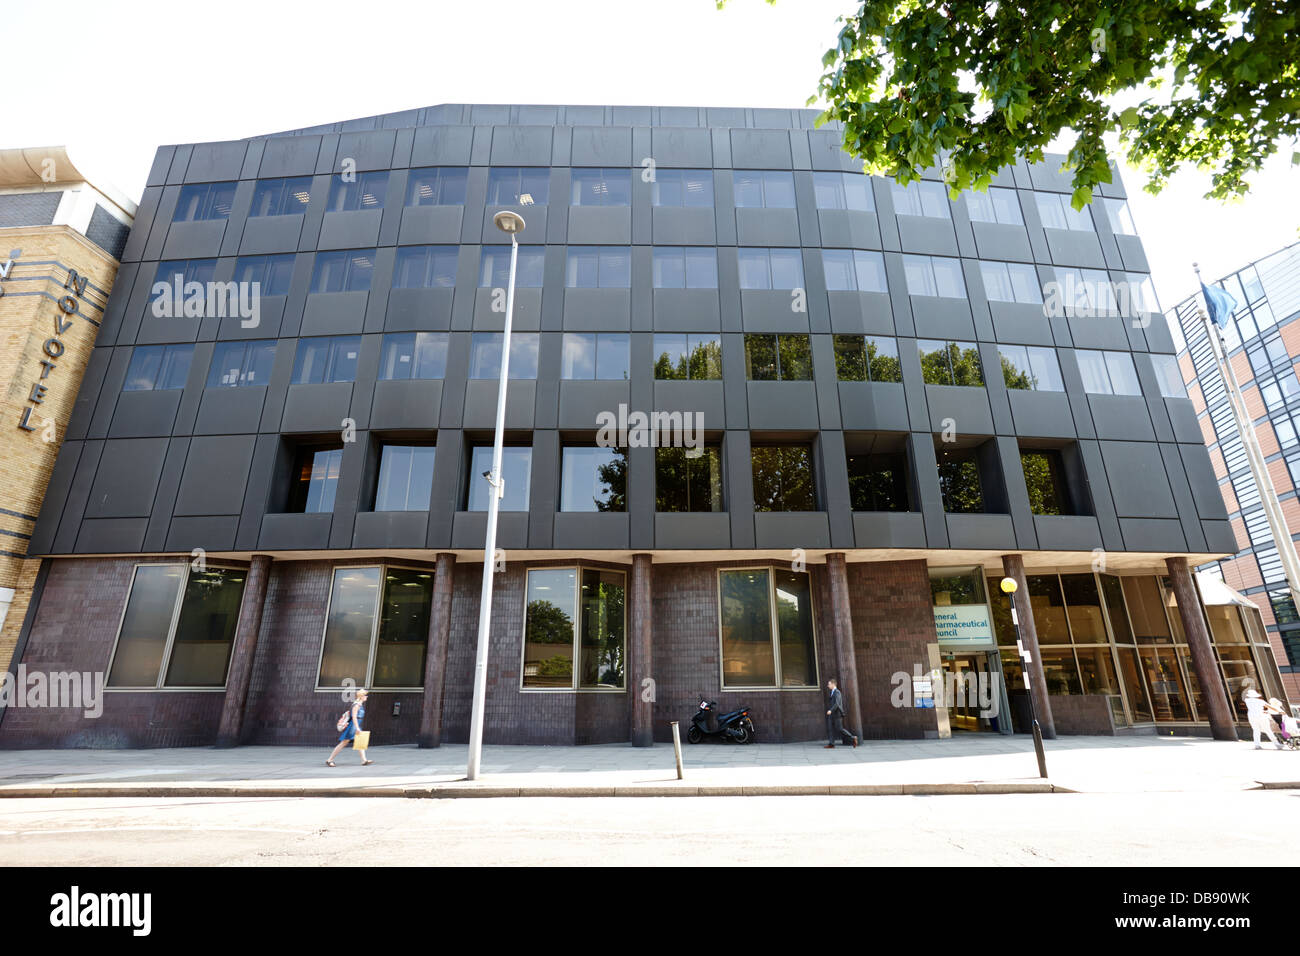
<point x="770" y="421"/>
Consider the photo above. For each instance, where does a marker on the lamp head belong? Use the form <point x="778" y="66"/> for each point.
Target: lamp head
<point x="511" y="223"/>
<point x="1008" y="585"/>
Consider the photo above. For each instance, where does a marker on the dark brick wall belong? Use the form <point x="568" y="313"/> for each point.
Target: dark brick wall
<point x="77" y="621"/>
<point x="893" y="621"/>
<point x="1082" y="714"/>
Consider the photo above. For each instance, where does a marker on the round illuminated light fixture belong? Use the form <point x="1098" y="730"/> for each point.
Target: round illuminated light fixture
<point x="509" y="222"/>
<point x="1008" y="585"/>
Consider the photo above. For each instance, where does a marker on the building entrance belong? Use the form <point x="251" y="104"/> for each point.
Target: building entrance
<point x="972" y="691"/>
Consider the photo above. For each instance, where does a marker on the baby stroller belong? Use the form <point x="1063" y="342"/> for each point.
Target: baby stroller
<point x="1290" y="734"/>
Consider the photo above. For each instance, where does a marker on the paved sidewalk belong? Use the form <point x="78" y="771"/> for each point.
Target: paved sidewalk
<point x="963" y="764"/>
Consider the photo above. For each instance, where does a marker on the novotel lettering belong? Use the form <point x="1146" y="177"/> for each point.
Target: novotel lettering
<point x="53" y="347"/>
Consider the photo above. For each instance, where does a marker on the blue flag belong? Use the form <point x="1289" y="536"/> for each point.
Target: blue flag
<point x="1221" y="304"/>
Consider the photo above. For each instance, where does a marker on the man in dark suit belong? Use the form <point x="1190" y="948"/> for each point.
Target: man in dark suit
<point x="835" y="717"/>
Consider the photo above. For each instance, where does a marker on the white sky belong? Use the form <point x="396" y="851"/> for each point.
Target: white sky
<point x="149" y="72"/>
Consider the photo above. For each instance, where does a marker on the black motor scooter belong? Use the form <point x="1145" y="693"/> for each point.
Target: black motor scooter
<point x="736" y="725"/>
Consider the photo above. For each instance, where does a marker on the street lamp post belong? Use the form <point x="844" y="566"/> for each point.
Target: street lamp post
<point x="1008" y="585"/>
<point x="512" y="224"/>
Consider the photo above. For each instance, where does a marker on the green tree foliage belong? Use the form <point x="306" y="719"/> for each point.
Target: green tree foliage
<point x="1041" y="480"/>
<point x="967" y="85"/>
<point x="547" y="624"/>
<point x="959" y="484"/>
<point x="613" y="475"/>
<point x="1016" y="377"/>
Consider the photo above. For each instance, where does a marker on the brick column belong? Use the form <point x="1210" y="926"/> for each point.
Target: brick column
<point x="639" y="658"/>
<point x="435" y="655"/>
<point x="845" y="656"/>
<point x="1222" y="725"/>
<point x="1013" y="566"/>
<point x="241" y="655"/>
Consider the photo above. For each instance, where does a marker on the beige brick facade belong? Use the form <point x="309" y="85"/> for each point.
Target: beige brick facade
<point x="46" y="316"/>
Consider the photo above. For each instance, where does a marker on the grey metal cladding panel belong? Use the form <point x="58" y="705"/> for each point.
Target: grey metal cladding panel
<point x="928" y="235"/>
<point x="980" y="532"/>
<point x="671" y="226"/>
<point x="1072" y="247"/>
<point x="469" y="529"/>
<point x="411" y="310"/>
<point x="1017" y="495"/>
<point x="764" y="310"/>
<point x="544" y="489"/>
<point x="1098" y="488"/>
<point x="230" y="411"/>
<point x="216" y="475"/>
<point x="849" y="229"/>
<point x="270" y="234"/>
<point x="527" y="311"/>
<point x="111" y="536"/>
<point x="407" y="405"/>
<point x="1138" y="483"/>
<point x="597" y="309"/>
<point x="154" y="330"/>
<point x="180" y="160"/>
<point x="1020" y="323"/>
<point x="693" y="532"/>
<point x="371" y="150"/>
<point x="825" y="148"/>
<point x="155" y="535"/>
<point x="194" y="240"/>
<point x="1183" y="499"/>
<point x="1158" y="336"/>
<point x="521" y="146"/>
<point x="91" y="382"/>
<point x="739" y="494"/>
<point x="334" y="313"/>
<point x="705" y="398"/>
<point x="264" y="324"/>
<point x="1182" y="415"/>
<point x="760" y="149"/>
<point x="601" y="146"/>
<point x="316" y="408"/>
<point x="215" y="162"/>
<point x="289" y="156"/>
<point x="265" y="454"/>
<point x="76" y="498"/>
<point x="1153" y="534"/>
<point x="1132" y="255"/>
<point x="252" y="159"/>
<point x="1099" y="332"/>
<point x="431" y="224"/>
<point x="860" y="312"/>
<point x="1219" y="537"/>
<point x="582" y="402"/>
<point x="358" y="229"/>
<point x="888" y="529"/>
<point x="681" y="148"/>
<point x="56" y="495"/>
<point x="481" y="403"/>
<point x="792" y="529"/>
<point x="767" y="227"/>
<point x="873" y="406"/>
<point x="1204" y="486"/>
<point x="208" y="532"/>
<point x="295" y="532"/>
<point x="590" y="532"/>
<point x="1067" y="532"/>
<point x="1041" y="414"/>
<point x="1121" y="418"/>
<point x="938" y="317"/>
<point x="966" y="406"/>
<point x="346" y="498"/>
<point x="783" y="405"/>
<point x="442" y="146"/>
<point x="686" y="310"/>
<point x="127" y="477"/>
<point x="599" y="225"/>
<point x="145" y="414"/>
<point x="162" y="161"/>
<point x="390" y="529"/>
<point x="995" y="240"/>
<point x="118" y="300"/>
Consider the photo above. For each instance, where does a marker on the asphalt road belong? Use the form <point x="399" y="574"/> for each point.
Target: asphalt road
<point x="1016" y="830"/>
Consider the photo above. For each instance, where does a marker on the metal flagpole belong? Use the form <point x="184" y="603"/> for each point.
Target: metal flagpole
<point x="1254" y="455"/>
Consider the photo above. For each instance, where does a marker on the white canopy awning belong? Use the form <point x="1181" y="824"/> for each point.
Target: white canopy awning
<point x="1215" y="593"/>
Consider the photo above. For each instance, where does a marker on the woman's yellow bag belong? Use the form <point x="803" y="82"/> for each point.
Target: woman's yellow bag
<point x="362" y="740"/>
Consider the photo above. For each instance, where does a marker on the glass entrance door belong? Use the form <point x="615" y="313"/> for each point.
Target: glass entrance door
<point x="967" y="690"/>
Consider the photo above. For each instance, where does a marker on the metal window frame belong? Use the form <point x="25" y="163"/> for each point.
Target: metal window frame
<point x="773" y="635"/>
<point x="575" y="686"/>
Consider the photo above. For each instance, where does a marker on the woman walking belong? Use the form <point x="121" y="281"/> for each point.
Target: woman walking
<point x="348" y="736"/>
<point x="1257" y="711"/>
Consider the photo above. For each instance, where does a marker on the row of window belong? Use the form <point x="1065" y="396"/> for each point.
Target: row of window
<point x="179" y="625"/>
<point x="682" y="267"/>
<point x="530" y="186"/>
<point x="593" y="478"/>
<point x="678" y="356"/>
